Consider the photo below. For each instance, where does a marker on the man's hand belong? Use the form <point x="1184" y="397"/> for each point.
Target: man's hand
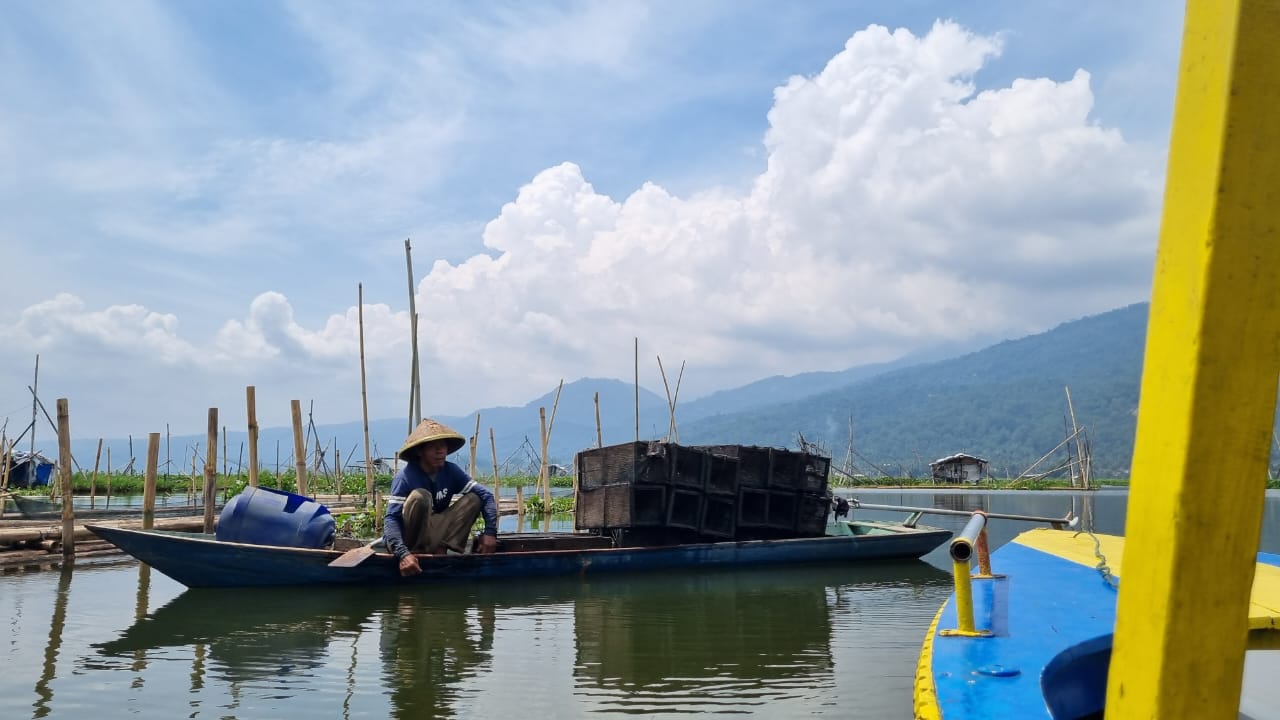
<point x="409" y="566"/>
<point x="488" y="544"/>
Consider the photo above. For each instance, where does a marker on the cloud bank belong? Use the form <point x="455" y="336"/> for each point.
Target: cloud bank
<point x="898" y="208"/>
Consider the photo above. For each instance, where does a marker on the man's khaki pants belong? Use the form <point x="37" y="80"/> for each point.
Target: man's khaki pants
<point x="431" y="532"/>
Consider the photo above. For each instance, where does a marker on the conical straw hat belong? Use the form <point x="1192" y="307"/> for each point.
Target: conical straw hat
<point x="429" y="430"/>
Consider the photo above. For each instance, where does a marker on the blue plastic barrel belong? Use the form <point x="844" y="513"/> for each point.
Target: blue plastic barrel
<point x="263" y="516"/>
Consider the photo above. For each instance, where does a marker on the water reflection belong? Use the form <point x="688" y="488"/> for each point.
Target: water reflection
<point x="720" y="641"/>
<point x="48" y="669"/>
<point x="710" y="641"/>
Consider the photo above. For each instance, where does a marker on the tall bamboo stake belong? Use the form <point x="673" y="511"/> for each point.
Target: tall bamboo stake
<point x="364" y="404"/>
<point x="337" y="467"/>
<point x="364" y="397"/>
<point x="497" y="481"/>
<point x="637" y="376"/>
<point x="211" y="470"/>
<point x="415" y="377"/>
<point x="35" y="400"/>
<point x="93" y="481"/>
<point x="64" y="474"/>
<point x="672" y="432"/>
<point x="149" y="481"/>
<point x="225" y="454"/>
<point x="475" y="438"/>
<point x="599" y="436"/>
<point x="4" y="471"/>
<point x="299" y="450"/>
<point x="544" y="483"/>
<point x="251" y="406"/>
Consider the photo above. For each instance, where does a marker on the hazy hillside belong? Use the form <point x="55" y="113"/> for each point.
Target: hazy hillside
<point x="1005" y="402"/>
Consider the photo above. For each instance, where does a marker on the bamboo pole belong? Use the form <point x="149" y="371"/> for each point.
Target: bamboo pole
<point x="191" y="491"/>
<point x="364" y="404"/>
<point x="637" y="377"/>
<point x="211" y="471"/>
<point x="35" y="400"/>
<point x="673" y="434"/>
<point x="4" y="471"/>
<point x="108" y="471"/>
<point x="149" y="481"/>
<point x="415" y="376"/>
<point x="599" y="436"/>
<point x="1075" y="432"/>
<point x="64" y="474"/>
<point x="225" y="455"/>
<point x="497" y="480"/>
<point x="93" y="481"/>
<point x="544" y="484"/>
<point x="475" y="438"/>
<point x="251" y="405"/>
<point x="299" y="450"/>
<point x="337" y="467"/>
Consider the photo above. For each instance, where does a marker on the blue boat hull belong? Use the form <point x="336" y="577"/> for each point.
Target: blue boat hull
<point x="198" y="560"/>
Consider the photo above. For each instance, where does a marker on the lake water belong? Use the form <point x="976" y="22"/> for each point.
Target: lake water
<point x="114" y="640"/>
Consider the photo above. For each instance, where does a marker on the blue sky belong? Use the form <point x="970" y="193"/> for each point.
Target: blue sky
<point x="192" y="192"/>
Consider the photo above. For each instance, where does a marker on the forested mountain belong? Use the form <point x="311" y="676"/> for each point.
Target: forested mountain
<point x="1006" y="403"/>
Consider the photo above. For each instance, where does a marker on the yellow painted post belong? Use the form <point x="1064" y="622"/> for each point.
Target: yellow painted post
<point x="1209" y="382"/>
<point x="964" y="597"/>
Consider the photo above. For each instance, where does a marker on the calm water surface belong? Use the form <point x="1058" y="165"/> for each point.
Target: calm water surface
<point x="114" y="640"/>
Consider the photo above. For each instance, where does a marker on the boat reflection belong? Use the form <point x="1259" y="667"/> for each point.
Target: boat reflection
<point x="641" y="643"/>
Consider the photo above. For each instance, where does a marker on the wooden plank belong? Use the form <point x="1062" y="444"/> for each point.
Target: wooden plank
<point x="1209" y="382"/>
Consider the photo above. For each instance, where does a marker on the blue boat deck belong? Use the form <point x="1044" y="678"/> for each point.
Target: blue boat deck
<point x="1051" y="614"/>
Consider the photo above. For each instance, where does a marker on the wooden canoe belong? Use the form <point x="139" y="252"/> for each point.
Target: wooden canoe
<point x="199" y="560"/>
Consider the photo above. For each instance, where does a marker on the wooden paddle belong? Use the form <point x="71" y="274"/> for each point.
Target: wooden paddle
<point x="353" y="557"/>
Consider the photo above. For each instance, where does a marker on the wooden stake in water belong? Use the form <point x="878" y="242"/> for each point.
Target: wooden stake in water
<point x="475" y="438"/>
<point x="497" y="481"/>
<point x="251" y="405"/>
<point x="337" y="467"/>
<point x="299" y="450"/>
<point x="364" y="404"/>
<point x="211" y="471"/>
<point x="93" y="480"/>
<point x="64" y="475"/>
<point x="149" y="481"/>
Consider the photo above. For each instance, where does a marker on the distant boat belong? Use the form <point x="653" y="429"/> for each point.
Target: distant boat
<point x="27" y="470"/>
<point x="200" y="560"/>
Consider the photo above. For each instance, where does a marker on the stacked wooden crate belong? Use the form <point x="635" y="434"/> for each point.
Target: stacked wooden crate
<point x="721" y="492"/>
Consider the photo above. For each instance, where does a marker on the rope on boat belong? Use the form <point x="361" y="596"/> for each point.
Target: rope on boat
<point x="1102" y="567"/>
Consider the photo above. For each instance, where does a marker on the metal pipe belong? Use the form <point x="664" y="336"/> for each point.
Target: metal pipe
<point x="1069" y="520"/>
<point x="962" y="544"/>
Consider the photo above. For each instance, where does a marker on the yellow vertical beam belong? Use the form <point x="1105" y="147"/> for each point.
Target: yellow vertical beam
<point x="1209" y="382"/>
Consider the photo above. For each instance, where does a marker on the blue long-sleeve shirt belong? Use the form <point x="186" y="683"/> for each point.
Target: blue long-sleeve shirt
<point x="449" y="481"/>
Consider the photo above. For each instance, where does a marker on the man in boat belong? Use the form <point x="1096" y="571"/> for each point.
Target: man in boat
<point x="842" y="508"/>
<point x="422" y="515"/>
